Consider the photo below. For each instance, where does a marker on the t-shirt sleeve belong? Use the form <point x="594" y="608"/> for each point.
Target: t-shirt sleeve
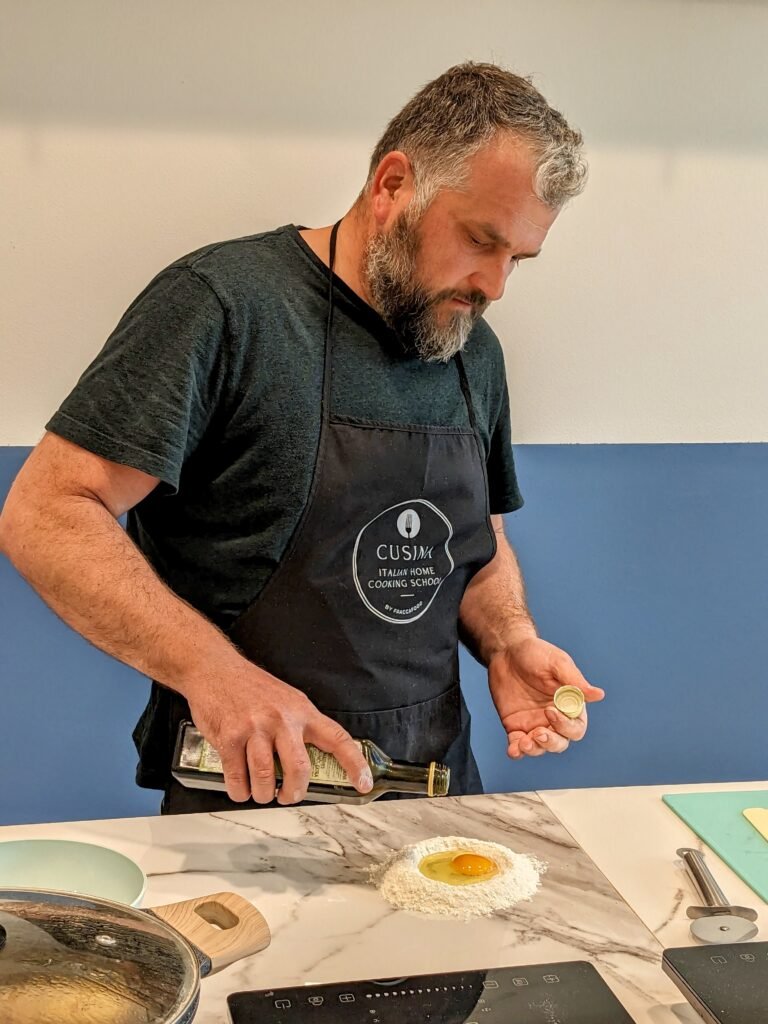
<point x="146" y="399"/>
<point x="503" y="490"/>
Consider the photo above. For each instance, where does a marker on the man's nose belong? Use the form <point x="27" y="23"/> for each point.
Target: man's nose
<point x="492" y="279"/>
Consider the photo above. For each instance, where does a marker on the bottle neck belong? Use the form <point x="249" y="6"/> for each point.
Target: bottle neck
<point x="411" y="775"/>
<point x="431" y="779"/>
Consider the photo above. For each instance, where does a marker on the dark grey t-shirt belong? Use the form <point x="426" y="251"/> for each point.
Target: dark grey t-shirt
<point x="212" y="382"/>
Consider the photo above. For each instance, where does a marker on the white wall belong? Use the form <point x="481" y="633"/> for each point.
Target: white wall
<point x="131" y="133"/>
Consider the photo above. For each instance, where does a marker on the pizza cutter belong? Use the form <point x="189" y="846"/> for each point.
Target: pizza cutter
<point x="718" y="921"/>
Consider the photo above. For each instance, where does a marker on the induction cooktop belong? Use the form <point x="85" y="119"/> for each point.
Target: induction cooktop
<point x="564" y="993"/>
<point x="727" y="984"/>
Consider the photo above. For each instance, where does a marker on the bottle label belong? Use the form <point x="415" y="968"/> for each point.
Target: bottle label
<point x="325" y="770"/>
<point x="209" y="759"/>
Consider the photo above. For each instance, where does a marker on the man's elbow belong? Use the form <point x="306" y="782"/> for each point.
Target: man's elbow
<point x="9" y="529"/>
<point x="17" y="519"/>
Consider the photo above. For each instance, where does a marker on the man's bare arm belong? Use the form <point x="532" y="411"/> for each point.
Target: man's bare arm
<point x="494" y="613"/>
<point x="524" y="671"/>
<point x="59" y="528"/>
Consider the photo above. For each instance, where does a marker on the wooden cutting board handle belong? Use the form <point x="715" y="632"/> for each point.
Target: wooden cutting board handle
<point x="224" y="926"/>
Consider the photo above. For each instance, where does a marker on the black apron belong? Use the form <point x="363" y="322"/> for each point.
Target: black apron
<point x="362" y="612"/>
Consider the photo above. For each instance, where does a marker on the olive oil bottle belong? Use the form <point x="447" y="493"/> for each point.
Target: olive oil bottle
<point x="198" y="766"/>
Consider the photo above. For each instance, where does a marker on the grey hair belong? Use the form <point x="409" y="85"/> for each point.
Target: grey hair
<point x="468" y="107"/>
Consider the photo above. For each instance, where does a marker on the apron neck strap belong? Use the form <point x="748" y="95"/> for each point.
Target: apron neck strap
<point x="331" y="263"/>
<point x="326" y="407"/>
<point x="467" y="393"/>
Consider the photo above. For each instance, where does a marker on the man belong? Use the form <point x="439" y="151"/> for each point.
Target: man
<point x="309" y="431"/>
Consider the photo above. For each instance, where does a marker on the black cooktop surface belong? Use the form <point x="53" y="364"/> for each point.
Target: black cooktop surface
<point x="565" y="993"/>
<point x="728" y="984"/>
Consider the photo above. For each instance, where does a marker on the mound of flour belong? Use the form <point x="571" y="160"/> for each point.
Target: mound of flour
<point x="400" y="882"/>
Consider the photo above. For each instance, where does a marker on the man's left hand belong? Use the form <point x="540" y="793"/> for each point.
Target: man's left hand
<point x="523" y="678"/>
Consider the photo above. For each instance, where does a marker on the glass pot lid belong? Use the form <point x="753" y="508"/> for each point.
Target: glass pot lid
<point x="89" y="961"/>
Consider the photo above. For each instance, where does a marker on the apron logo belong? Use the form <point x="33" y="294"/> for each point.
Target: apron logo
<point x="408" y="523"/>
<point x="396" y="575"/>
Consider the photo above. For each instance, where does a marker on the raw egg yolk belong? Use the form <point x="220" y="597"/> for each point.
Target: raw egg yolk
<point x="458" y="867"/>
<point x="472" y="864"/>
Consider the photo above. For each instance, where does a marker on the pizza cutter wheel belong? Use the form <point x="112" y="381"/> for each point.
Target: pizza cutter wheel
<point x="718" y="920"/>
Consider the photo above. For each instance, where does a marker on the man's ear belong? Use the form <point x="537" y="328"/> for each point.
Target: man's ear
<point x="392" y="188"/>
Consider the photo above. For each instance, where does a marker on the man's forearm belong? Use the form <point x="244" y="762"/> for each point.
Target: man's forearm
<point x="84" y="566"/>
<point x="493" y="613"/>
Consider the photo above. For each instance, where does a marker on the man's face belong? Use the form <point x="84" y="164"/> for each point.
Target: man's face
<point x="433" y="277"/>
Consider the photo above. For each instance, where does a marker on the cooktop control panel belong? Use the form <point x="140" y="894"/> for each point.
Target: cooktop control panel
<point x="727" y="984"/>
<point x="564" y="993"/>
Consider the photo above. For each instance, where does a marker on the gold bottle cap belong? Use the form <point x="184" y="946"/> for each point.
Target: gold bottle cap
<point x="438" y="780"/>
<point x="569" y="700"/>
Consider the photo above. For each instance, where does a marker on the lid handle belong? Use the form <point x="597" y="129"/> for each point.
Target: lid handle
<point x="225" y="926"/>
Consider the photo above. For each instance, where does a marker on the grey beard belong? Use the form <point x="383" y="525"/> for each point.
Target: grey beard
<point x="389" y="271"/>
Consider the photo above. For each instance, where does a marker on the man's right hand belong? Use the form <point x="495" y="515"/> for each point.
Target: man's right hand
<point x="249" y="714"/>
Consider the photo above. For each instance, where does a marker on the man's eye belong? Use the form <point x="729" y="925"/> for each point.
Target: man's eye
<point x="476" y="241"/>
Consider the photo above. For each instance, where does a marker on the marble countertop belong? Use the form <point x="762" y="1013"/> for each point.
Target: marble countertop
<point x="614" y="892"/>
<point x="633" y="837"/>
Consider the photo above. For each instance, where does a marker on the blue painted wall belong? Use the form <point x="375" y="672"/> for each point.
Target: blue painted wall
<point x="649" y="565"/>
<point x="646" y="562"/>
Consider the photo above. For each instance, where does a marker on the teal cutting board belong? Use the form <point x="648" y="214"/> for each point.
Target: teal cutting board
<point x="717" y="819"/>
